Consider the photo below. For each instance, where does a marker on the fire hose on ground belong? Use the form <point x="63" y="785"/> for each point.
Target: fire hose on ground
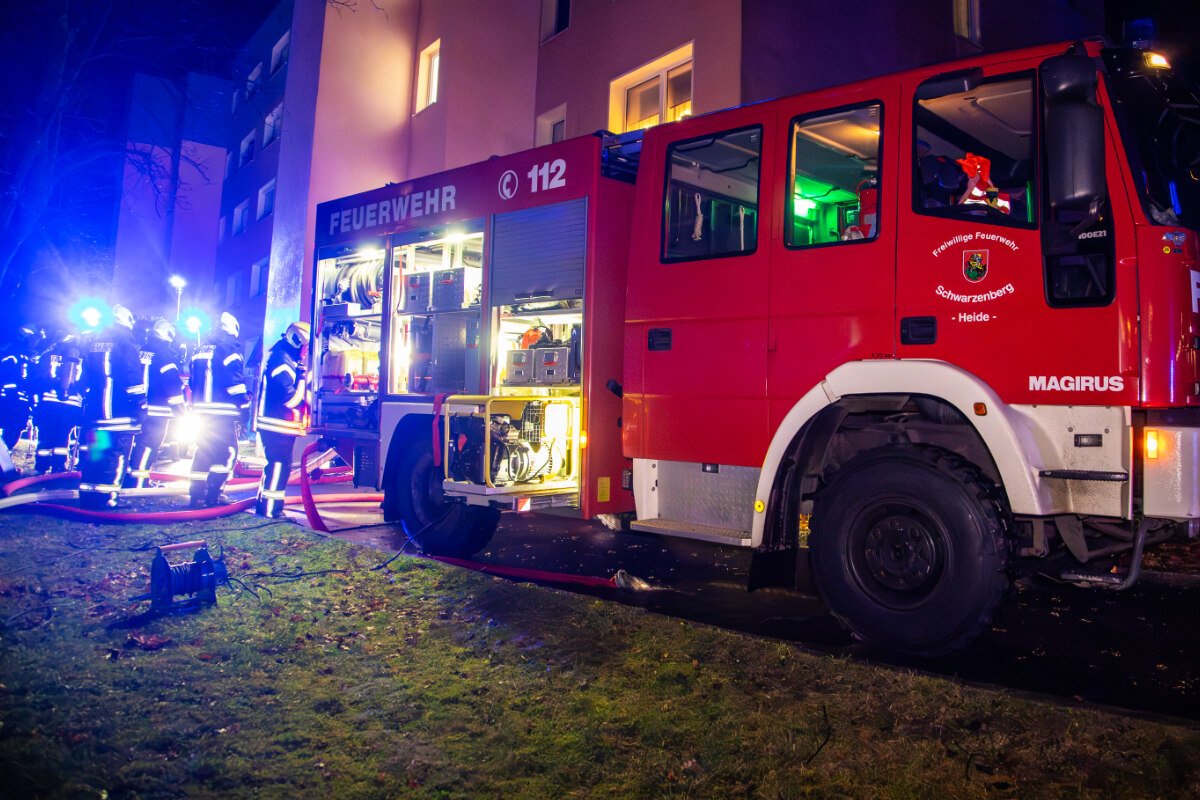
<point x="306" y="499"/>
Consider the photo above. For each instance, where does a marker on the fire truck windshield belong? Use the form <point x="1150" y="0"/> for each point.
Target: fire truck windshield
<point x="1159" y="116"/>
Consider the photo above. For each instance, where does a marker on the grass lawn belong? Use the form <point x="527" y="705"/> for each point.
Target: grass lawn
<point x="329" y="677"/>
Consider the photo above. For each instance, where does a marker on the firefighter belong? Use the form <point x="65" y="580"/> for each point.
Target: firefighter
<point x="59" y="406"/>
<point x="16" y="399"/>
<point x="281" y="407"/>
<point x="115" y="381"/>
<point x="164" y="396"/>
<point x="219" y="401"/>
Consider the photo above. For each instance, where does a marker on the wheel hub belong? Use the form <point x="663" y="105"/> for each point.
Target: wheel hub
<point x="900" y="552"/>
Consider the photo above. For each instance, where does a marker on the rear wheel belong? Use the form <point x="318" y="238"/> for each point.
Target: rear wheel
<point x="438" y="526"/>
<point x="908" y="548"/>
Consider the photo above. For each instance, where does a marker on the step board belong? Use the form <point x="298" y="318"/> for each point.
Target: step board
<point x="691" y="530"/>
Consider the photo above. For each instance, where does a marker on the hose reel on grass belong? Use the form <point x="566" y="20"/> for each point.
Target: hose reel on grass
<point x="197" y="578"/>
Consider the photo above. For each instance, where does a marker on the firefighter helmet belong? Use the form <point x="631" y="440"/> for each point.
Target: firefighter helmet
<point x="229" y="323"/>
<point x="122" y="316"/>
<point x="298" y="334"/>
<point x="162" y="329"/>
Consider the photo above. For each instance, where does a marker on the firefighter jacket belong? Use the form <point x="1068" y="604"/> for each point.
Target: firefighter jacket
<point x="164" y="384"/>
<point x="55" y="378"/>
<point x="15" y="367"/>
<point x="281" y="394"/>
<point x="114" y="378"/>
<point x="218" y="378"/>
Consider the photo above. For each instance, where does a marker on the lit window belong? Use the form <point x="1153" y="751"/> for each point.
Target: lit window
<point x="427" y="75"/>
<point x="221" y="230"/>
<point x="833" y="174"/>
<point x="266" y="199"/>
<point x="246" y="151"/>
<point x="966" y="20"/>
<point x="711" y="203"/>
<point x="658" y="92"/>
<point x="556" y="16"/>
<point x="279" y="53"/>
<point x="272" y="125"/>
<point x="552" y="126"/>
<point x="239" y="216"/>
<point x="252" y="81"/>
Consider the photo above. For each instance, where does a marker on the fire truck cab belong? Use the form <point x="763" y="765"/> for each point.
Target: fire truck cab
<point x="952" y="315"/>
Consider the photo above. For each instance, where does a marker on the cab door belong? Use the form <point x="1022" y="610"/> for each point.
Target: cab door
<point x="832" y="275"/>
<point x="696" y="307"/>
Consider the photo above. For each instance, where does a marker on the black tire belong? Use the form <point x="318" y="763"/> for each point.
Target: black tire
<point x="908" y="548"/>
<point x="439" y="527"/>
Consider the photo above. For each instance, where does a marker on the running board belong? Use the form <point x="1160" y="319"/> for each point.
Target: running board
<point x="691" y="530"/>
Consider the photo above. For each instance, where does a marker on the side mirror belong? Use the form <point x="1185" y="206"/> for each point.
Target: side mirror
<point x="1074" y="133"/>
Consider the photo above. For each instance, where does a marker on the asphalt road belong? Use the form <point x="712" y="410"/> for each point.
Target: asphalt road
<point x="1137" y="650"/>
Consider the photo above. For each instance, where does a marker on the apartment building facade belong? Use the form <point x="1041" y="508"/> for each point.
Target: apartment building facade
<point x="341" y="98"/>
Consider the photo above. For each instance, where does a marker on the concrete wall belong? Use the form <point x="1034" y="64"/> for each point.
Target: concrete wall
<point x="607" y="39"/>
<point x="789" y="48"/>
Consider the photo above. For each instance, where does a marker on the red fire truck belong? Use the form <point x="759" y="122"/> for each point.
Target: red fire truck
<point x="952" y="316"/>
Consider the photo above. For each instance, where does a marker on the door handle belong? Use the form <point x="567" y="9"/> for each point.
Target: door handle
<point x="918" y="330"/>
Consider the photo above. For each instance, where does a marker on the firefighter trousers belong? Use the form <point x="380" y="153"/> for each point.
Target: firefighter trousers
<point x="278" y="448"/>
<point x="54" y="422"/>
<point x="14" y="418"/>
<point x="216" y="453"/>
<point x="145" y="448"/>
<point x="103" y="458"/>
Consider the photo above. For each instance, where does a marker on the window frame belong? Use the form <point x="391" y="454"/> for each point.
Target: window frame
<point x="788" y="211"/>
<point x="281" y="52"/>
<point x="265" y="191"/>
<point x="663" y="258"/>
<point x="556" y="18"/>
<point x="273" y="124"/>
<point x="246" y="150"/>
<point x="1033" y="202"/>
<point x="428" y="75"/>
<point x="253" y="79"/>
<point x="618" y="88"/>
<point x="241" y="213"/>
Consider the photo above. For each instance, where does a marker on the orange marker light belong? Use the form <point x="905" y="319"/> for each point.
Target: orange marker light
<point x="1151" y="444"/>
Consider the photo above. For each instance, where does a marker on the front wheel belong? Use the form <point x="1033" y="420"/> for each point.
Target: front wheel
<point x="438" y="526"/>
<point x="908" y="548"/>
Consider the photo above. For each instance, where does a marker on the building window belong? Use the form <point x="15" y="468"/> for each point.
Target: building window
<point x="272" y="125"/>
<point x="552" y="126"/>
<point x="556" y="16"/>
<point x="228" y="165"/>
<point x="246" y="151"/>
<point x="833" y="175"/>
<point x="427" y="75"/>
<point x="233" y="289"/>
<point x="279" y="53"/>
<point x="253" y="80"/>
<point x="259" y="273"/>
<point x="966" y="20"/>
<point x="239" y="216"/>
<point x="659" y="92"/>
<point x="266" y="199"/>
<point x="221" y="230"/>
<point x="711" y="203"/>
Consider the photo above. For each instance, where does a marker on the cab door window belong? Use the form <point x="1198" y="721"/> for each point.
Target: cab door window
<point x="833" y="177"/>
<point x="974" y="148"/>
<point x="712" y="196"/>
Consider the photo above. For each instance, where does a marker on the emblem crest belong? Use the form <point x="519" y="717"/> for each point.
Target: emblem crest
<point x="975" y="265"/>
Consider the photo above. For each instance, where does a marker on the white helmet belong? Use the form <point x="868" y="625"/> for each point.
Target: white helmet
<point x="229" y="323"/>
<point x="162" y="329"/>
<point x="122" y="316"/>
<point x="298" y="334"/>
